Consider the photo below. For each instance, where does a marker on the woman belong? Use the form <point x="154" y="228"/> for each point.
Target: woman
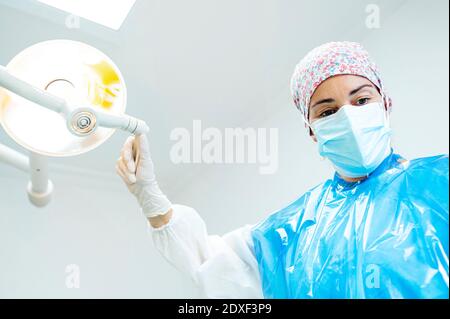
<point x="377" y="229"/>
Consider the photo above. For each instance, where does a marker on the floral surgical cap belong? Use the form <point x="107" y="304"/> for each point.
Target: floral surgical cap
<point x="328" y="60"/>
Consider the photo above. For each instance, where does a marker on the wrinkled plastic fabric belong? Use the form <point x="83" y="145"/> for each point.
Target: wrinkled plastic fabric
<point x="384" y="237"/>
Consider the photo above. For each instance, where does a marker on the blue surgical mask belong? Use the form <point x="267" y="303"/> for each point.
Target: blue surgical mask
<point x="356" y="139"/>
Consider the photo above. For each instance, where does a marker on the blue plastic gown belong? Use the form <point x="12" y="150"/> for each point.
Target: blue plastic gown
<point x="384" y="237"/>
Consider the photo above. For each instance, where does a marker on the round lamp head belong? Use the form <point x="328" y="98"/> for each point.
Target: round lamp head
<point x="74" y="71"/>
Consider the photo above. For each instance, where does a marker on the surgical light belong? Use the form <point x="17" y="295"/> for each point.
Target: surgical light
<point x="64" y="98"/>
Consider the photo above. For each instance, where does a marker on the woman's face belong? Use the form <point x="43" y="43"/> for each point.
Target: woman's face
<point x="338" y="91"/>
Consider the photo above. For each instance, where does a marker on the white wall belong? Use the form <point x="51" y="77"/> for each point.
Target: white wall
<point x="91" y="224"/>
<point x="95" y="223"/>
<point x="411" y="48"/>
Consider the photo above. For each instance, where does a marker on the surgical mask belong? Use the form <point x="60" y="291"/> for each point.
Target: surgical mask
<point x="356" y="139"/>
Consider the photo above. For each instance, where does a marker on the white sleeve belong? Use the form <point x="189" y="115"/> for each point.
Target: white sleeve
<point x="222" y="266"/>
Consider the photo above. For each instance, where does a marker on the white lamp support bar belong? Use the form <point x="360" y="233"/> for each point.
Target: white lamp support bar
<point x="14" y="158"/>
<point x="39" y="188"/>
<point x="81" y="121"/>
<point x="126" y="123"/>
<point x="36" y="95"/>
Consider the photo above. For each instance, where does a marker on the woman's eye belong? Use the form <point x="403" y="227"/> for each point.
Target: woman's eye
<point x="362" y="101"/>
<point x="327" y="113"/>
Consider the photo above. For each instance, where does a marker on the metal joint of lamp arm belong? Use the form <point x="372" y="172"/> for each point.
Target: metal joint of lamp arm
<point x="84" y="121"/>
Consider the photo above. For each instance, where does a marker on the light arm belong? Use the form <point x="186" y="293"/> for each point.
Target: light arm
<point x="40" y="188"/>
<point x="125" y="122"/>
<point x="76" y="117"/>
<point x="36" y="95"/>
<point x="14" y="158"/>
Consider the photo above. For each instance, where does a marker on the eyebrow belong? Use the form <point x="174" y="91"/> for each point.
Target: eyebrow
<point x="329" y="100"/>
<point x="353" y="92"/>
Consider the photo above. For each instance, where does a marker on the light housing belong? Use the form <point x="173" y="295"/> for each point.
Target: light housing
<point x="74" y="72"/>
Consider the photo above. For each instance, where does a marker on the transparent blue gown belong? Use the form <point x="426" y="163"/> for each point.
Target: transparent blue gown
<point x="384" y="237"/>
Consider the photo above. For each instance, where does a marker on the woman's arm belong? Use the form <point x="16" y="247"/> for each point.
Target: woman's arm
<point x="222" y="266"/>
<point x="161" y="220"/>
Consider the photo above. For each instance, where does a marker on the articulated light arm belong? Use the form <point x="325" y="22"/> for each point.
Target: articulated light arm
<point x="39" y="188"/>
<point x="14" y="158"/>
<point x="81" y="121"/>
<point x="38" y="96"/>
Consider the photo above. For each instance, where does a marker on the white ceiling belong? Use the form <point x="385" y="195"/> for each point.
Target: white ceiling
<point x="227" y="63"/>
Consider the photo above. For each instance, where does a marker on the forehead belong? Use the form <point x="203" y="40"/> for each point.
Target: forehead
<point x="339" y="84"/>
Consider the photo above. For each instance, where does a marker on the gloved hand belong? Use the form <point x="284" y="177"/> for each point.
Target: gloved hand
<point x="135" y="167"/>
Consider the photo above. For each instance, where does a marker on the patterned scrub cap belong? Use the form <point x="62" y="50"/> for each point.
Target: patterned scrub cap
<point x="328" y="60"/>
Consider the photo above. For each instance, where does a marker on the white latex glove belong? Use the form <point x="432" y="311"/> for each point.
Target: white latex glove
<point x="135" y="167"/>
